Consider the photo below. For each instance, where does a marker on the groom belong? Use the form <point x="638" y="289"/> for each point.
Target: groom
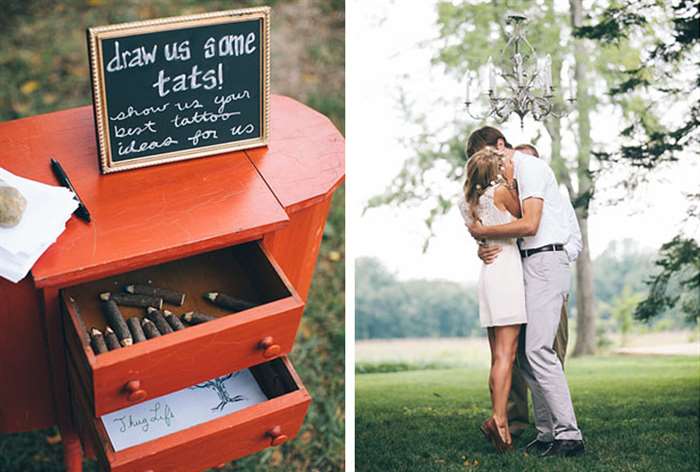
<point x="544" y="229"/>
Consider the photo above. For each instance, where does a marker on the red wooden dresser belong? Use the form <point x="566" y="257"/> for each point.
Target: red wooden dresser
<point x="252" y="218"/>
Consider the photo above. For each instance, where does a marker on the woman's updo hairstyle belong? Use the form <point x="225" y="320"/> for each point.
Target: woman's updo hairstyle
<point x="482" y="171"/>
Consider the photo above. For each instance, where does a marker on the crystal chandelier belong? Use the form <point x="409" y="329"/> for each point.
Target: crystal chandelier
<point x="528" y="81"/>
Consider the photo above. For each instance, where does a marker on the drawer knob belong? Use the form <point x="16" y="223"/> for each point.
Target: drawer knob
<point x="271" y="349"/>
<point x="134" y="391"/>
<point x="277" y="436"/>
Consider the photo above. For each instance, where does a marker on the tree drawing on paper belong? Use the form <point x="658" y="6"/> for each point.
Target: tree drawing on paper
<point x="220" y="388"/>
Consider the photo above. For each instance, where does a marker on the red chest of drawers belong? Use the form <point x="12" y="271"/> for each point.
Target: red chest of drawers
<point x="250" y="219"/>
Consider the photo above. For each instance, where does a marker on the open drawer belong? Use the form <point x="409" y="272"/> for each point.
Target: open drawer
<point x="270" y="422"/>
<point x="119" y="378"/>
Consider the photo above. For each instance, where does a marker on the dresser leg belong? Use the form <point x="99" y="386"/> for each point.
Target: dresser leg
<point x="72" y="453"/>
<point x="53" y="329"/>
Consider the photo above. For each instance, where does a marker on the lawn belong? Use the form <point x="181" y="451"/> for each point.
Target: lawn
<point x="636" y="413"/>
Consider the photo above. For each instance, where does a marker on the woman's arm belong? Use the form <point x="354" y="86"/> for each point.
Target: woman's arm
<point x="525" y="226"/>
<point x="507" y="199"/>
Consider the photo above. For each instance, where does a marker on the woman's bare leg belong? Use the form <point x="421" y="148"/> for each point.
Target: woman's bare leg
<point x="492" y="345"/>
<point x="503" y="356"/>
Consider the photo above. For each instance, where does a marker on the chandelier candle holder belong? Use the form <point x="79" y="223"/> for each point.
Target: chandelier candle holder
<point x="528" y="80"/>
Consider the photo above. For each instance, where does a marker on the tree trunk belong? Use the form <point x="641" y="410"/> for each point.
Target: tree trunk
<point x="585" y="310"/>
<point x="585" y="313"/>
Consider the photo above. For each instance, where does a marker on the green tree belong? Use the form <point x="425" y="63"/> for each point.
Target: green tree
<point x="676" y="284"/>
<point x="671" y="74"/>
<point x="622" y="311"/>
<point x="389" y="308"/>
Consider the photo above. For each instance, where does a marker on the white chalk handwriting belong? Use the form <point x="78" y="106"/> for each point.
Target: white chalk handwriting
<point x="134" y="147"/>
<point x="201" y="117"/>
<point x="178" y="51"/>
<point x="242" y="129"/>
<point x="210" y="79"/>
<point x="224" y="100"/>
<point x="131" y="111"/>
<point x="123" y="132"/>
<point x="136" y="57"/>
<point x="203" y="135"/>
<point x="230" y="45"/>
<point x="188" y="105"/>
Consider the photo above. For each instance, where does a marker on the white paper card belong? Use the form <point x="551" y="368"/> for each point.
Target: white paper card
<point x="183" y="409"/>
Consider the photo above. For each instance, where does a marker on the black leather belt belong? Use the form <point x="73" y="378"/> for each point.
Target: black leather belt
<point x="547" y="248"/>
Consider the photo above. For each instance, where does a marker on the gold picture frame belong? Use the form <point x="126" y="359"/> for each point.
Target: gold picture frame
<point x="97" y="34"/>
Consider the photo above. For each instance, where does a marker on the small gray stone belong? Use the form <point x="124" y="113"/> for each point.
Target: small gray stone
<point x="12" y="205"/>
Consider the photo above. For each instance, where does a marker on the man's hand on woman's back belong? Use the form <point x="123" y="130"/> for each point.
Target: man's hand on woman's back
<point x="488" y="252"/>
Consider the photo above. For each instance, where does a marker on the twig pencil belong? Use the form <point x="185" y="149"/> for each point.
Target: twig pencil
<point x="169" y="296"/>
<point x="228" y="302"/>
<point x="157" y="317"/>
<point x="195" y="318"/>
<point x="174" y="321"/>
<point x="149" y="329"/>
<point x="97" y="341"/>
<point x="111" y="339"/>
<point x="136" y="331"/>
<point x="129" y="299"/>
<point x="116" y="321"/>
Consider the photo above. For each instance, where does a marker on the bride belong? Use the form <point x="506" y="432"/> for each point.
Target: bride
<point x="490" y="197"/>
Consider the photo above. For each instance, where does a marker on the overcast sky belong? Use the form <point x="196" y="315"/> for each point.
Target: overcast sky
<point x="383" y="54"/>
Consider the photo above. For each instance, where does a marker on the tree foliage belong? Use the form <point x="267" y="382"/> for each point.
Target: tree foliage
<point x="386" y="307"/>
<point x="389" y="308"/>
<point x="679" y="262"/>
<point x="669" y="71"/>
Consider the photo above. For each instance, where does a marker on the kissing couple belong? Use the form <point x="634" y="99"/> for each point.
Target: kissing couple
<point x="528" y="237"/>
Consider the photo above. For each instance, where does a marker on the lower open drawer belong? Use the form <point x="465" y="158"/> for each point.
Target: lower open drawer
<point x="273" y="403"/>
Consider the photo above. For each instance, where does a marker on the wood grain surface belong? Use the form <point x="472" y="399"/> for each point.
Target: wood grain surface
<point x="24" y="404"/>
<point x="305" y="160"/>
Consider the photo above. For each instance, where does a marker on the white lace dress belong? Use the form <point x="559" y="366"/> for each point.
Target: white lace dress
<point x="501" y="286"/>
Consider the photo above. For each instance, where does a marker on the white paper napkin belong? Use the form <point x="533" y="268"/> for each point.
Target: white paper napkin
<point x="44" y="219"/>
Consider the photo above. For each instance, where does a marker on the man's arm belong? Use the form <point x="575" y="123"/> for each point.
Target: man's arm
<point x="574" y="244"/>
<point x="525" y="226"/>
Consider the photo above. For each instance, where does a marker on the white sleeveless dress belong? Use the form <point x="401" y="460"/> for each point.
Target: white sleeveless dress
<point x="501" y="286"/>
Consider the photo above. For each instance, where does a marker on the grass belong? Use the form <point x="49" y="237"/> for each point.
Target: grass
<point x="636" y="414"/>
<point x="43" y="68"/>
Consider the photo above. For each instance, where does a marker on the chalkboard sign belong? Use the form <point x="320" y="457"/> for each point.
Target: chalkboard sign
<point x="177" y="88"/>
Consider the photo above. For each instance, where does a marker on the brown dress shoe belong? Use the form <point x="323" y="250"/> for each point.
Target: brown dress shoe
<point x="490" y="430"/>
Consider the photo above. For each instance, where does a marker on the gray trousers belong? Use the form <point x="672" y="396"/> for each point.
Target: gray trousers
<point x="518" y="411"/>
<point x="547" y="282"/>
